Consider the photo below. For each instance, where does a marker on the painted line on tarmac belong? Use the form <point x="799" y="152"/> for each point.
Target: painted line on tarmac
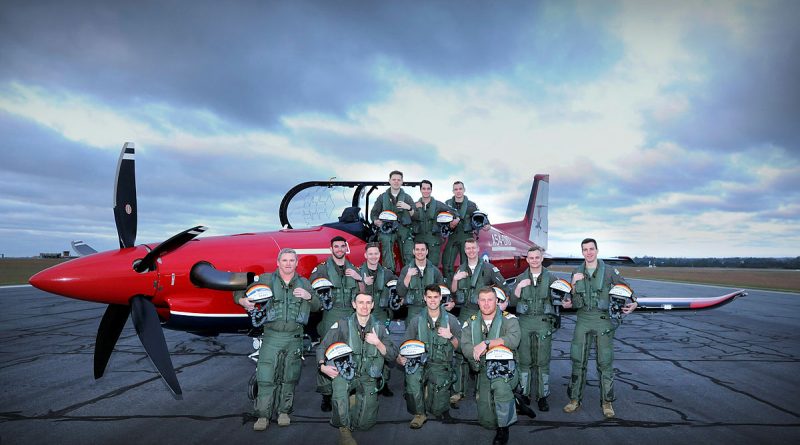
<point x="12" y="286"/>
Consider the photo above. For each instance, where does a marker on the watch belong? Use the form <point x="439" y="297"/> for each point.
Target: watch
<point x="486" y="342"/>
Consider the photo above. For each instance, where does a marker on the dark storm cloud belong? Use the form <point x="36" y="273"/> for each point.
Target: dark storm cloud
<point x="254" y="61"/>
<point x="752" y="97"/>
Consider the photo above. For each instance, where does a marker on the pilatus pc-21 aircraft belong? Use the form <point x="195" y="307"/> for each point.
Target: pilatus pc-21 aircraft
<point x="185" y="283"/>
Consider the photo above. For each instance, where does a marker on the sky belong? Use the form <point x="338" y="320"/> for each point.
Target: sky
<point x="667" y="128"/>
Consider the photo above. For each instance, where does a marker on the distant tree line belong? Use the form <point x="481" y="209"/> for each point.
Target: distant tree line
<point x="742" y="262"/>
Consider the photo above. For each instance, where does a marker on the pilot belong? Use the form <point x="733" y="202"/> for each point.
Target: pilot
<point x="426" y="216"/>
<point x="371" y="346"/>
<point x="538" y="322"/>
<point x="394" y="201"/>
<point x="415" y="277"/>
<point x="462" y="229"/>
<point x="342" y="282"/>
<point x="489" y="342"/>
<point x="281" y="352"/>
<point x="379" y="281"/>
<point x="472" y="275"/>
<point x="428" y="387"/>
<point x="591" y="283"/>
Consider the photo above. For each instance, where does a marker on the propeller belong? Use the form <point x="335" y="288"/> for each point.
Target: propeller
<point x="125" y="196"/>
<point x="141" y="309"/>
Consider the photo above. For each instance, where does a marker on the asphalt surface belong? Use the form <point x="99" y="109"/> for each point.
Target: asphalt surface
<point x="728" y="375"/>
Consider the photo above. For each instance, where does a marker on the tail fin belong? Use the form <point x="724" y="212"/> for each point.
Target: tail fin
<point x="533" y="226"/>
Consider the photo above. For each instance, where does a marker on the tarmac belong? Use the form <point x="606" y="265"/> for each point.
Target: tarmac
<point x="728" y="375"/>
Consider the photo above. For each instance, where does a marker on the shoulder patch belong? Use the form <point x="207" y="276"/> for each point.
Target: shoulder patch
<point x="335" y="325"/>
<point x="508" y="315"/>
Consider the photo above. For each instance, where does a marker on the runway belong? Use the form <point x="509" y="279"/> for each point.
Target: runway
<point x="728" y="375"/>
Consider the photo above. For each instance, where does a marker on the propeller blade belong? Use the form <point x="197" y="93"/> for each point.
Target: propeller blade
<point x="82" y="249"/>
<point x="107" y="335"/>
<point x="149" y="261"/>
<point x="125" y="197"/>
<point x="148" y="327"/>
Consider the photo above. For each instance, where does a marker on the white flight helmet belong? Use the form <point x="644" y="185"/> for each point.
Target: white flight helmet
<point x="500" y="363"/>
<point x="414" y="352"/>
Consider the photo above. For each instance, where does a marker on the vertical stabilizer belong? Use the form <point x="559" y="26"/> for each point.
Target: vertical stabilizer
<point x="533" y="226"/>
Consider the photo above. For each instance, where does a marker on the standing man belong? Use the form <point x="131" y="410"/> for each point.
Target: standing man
<point x="394" y="199"/>
<point x="426" y="227"/>
<point x="591" y="284"/>
<point x="472" y="275"/>
<point x="462" y="229"/>
<point x="281" y="352"/>
<point x="537" y="321"/>
<point x="371" y="346"/>
<point x="376" y="282"/>
<point x="428" y="387"/>
<point x="415" y="277"/>
<point x="489" y="342"/>
<point x="346" y="282"/>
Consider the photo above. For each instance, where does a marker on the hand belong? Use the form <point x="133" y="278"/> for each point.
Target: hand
<point x="412" y="272"/>
<point x="247" y="304"/>
<point x="577" y="277"/>
<point x="630" y="307"/>
<point x="524" y="283"/>
<point x="403" y="205"/>
<point x="487" y="227"/>
<point x="378" y="222"/>
<point x="460" y="275"/>
<point x="299" y="292"/>
<point x="368" y="280"/>
<point x="329" y="371"/>
<point x="372" y="338"/>
<point x="478" y="351"/>
<point x="419" y="205"/>
<point x="567" y="304"/>
<point x="449" y="306"/>
<point x="454" y="222"/>
<point x="445" y="332"/>
<point x="401" y="360"/>
<point x="353" y="274"/>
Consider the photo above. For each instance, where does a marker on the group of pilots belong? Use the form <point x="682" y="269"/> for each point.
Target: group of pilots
<point x="507" y="356"/>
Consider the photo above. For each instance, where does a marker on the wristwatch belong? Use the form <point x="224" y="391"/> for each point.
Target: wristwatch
<point x="486" y="342"/>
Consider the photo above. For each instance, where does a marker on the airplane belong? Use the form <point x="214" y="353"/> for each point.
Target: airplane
<point x="185" y="283"/>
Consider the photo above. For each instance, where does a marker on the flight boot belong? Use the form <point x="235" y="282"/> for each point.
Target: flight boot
<point x="284" y="420"/>
<point x="543" y="405"/>
<point x="454" y="399"/>
<point x="261" y="424"/>
<point x="501" y="437"/>
<point x="346" y="437"/>
<point x="572" y="406"/>
<point x="418" y="421"/>
<point x="608" y="410"/>
<point x="326" y="406"/>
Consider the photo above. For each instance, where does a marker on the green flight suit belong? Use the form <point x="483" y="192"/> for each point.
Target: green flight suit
<point x="414" y="293"/>
<point x="495" y="398"/>
<point x="380" y="294"/>
<point x="280" y="356"/>
<point x="454" y="247"/>
<point x="485" y="274"/>
<point x="369" y="365"/>
<point x="403" y="236"/>
<point x="427" y="230"/>
<point x="537" y="320"/>
<point x="428" y="388"/>
<point x="593" y="323"/>
<point x="344" y="291"/>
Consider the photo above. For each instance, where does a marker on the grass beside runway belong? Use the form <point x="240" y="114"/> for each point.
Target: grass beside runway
<point x="19" y="270"/>
<point x="771" y="279"/>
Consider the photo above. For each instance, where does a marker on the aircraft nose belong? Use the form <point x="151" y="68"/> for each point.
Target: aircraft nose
<point x="106" y="277"/>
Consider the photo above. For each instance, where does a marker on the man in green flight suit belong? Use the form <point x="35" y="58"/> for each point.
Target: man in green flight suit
<point x="428" y="387"/>
<point x="480" y="335"/>
<point x="472" y="275"/>
<point x="537" y="321"/>
<point x="415" y="277"/>
<point x="394" y="200"/>
<point x="371" y="346"/>
<point x="376" y="282"/>
<point x="591" y="283"/>
<point x="281" y="352"/>
<point x="346" y="283"/>
<point x="426" y="227"/>
<point x="462" y="229"/>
